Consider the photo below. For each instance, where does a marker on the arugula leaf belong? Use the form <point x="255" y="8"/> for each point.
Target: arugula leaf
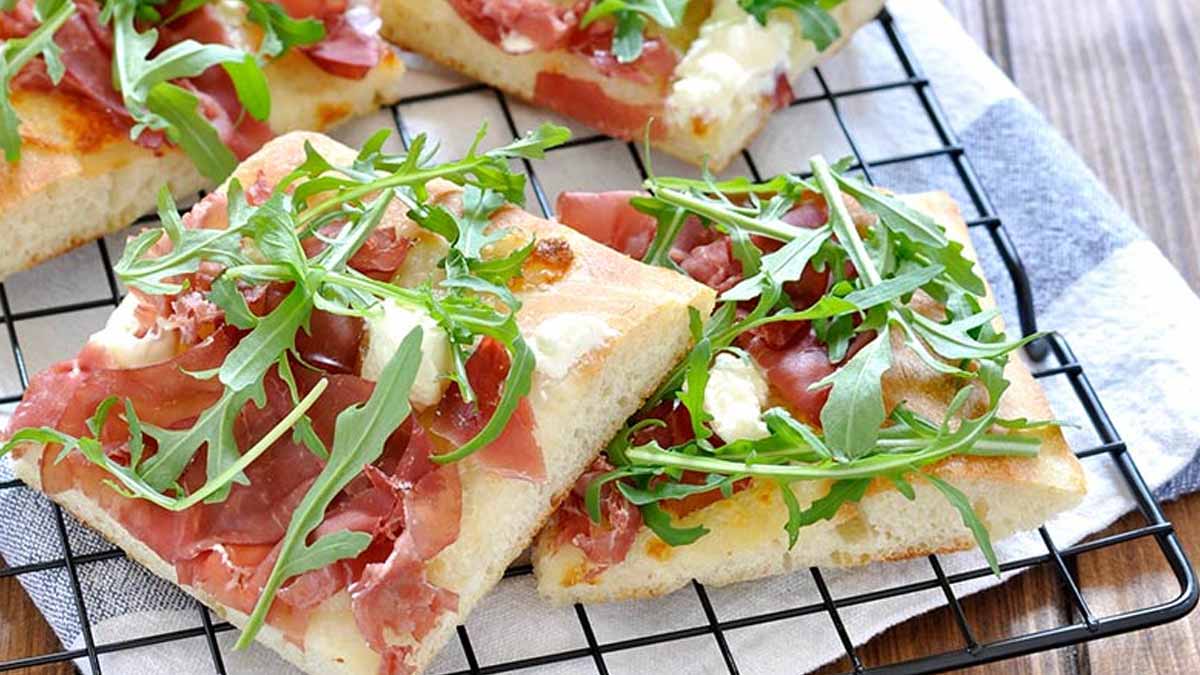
<point x="822" y="508"/>
<point x="641" y="496"/>
<point x="659" y="522"/>
<point x="280" y="31"/>
<point x="631" y="17"/>
<point x="225" y="294"/>
<point x="177" y="110"/>
<point x="130" y="483"/>
<point x="855" y="409"/>
<point x="156" y="103"/>
<point x="817" y="25"/>
<point x="258" y="350"/>
<point x="213" y="430"/>
<point x="358" y="439"/>
<point x="893" y="288"/>
<point x="952" y="341"/>
<point x="784" y="265"/>
<point x="695" y="382"/>
<point x="15" y="53"/>
<point x="969" y="518"/>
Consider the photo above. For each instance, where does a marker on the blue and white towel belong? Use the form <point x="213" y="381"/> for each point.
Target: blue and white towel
<point x="1096" y="279"/>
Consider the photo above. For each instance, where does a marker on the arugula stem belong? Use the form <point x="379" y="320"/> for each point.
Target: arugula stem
<point x="233" y="470"/>
<point x="775" y="230"/>
<point x="405" y="296"/>
<point x="395" y="180"/>
<point x="843" y="224"/>
<point x="873" y="466"/>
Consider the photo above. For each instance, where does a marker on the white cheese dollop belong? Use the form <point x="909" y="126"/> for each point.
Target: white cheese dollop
<point x="513" y="42"/>
<point x="560" y="341"/>
<point x="735" y="396"/>
<point x="731" y="66"/>
<point x="387" y="329"/>
<point x="120" y="344"/>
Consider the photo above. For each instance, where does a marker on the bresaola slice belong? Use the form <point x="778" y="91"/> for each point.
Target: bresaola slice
<point x="439" y="535"/>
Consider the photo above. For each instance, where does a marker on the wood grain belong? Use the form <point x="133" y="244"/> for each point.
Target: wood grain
<point x="1120" y="81"/>
<point x="23" y="631"/>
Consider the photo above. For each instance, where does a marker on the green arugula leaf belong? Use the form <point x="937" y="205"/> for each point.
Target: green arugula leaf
<point x="130" y="483"/>
<point x="817" y="25"/>
<point x="246" y="364"/>
<point x="854" y="412"/>
<point x="15" y="53"/>
<point x="782" y="266"/>
<point x="969" y="518"/>
<point x="952" y="341"/>
<point x="659" y="522"/>
<point x="213" y="430"/>
<point x="893" y="288"/>
<point x="156" y="103"/>
<point x="280" y="31"/>
<point x="631" y="17"/>
<point x="640" y="496"/>
<point x="695" y="382"/>
<point x="358" y="440"/>
<point x="823" y="508"/>
<point x="225" y="294"/>
<point x="177" y="110"/>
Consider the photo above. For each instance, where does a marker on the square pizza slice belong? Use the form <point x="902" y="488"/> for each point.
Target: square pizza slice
<point x="853" y="399"/>
<point x="346" y="390"/>
<point x="103" y="101"/>
<point x="700" y="77"/>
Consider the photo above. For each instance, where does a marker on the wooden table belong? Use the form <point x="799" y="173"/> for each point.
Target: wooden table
<point x="1120" y="80"/>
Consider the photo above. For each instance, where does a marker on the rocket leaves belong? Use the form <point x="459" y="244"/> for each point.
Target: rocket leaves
<point x="359" y="436"/>
<point x="875" y="259"/>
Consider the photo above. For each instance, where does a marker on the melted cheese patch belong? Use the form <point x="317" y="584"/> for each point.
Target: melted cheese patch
<point x="735" y="395"/>
<point x="385" y="332"/>
<point x="732" y="65"/>
<point x="120" y="344"/>
<point x="562" y="340"/>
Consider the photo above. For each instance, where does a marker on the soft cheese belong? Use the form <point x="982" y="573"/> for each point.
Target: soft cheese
<point x="735" y="395"/>
<point x="560" y="341"/>
<point x="386" y="330"/>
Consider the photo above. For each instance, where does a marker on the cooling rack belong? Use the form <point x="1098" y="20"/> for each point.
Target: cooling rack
<point x="1056" y="358"/>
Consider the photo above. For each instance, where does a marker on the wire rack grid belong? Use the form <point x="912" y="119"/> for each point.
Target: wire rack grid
<point x="1059" y="362"/>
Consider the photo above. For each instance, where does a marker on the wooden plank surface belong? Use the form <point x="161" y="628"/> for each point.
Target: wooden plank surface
<point x="1120" y="80"/>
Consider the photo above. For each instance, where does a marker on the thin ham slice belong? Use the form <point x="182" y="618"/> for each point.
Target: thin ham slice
<point x="587" y="102"/>
<point x="607" y="542"/>
<point x="351" y="47"/>
<point x="545" y="25"/>
<point x="515" y="453"/>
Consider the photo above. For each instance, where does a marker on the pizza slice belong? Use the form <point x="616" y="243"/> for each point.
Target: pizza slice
<point x="346" y="390"/>
<point x="853" y="398"/>
<point x="700" y="77"/>
<point x="103" y="101"/>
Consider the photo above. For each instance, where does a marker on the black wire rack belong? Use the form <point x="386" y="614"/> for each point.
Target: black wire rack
<point x="1058" y="361"/>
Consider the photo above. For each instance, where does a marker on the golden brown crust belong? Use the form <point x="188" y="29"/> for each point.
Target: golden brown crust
<point x="80" y="176"/>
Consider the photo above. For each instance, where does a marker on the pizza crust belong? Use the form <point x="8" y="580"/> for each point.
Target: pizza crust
<point x="646" y="309"/>
<point x="747" y="538"/>
<point x="434" y="29"/>
<point x="80" y="177"/>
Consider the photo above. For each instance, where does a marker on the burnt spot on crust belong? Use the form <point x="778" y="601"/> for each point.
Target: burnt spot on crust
<point x="549" y="261"/>
<point x="88" y="128"/>
<point x="329" y="114"/>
